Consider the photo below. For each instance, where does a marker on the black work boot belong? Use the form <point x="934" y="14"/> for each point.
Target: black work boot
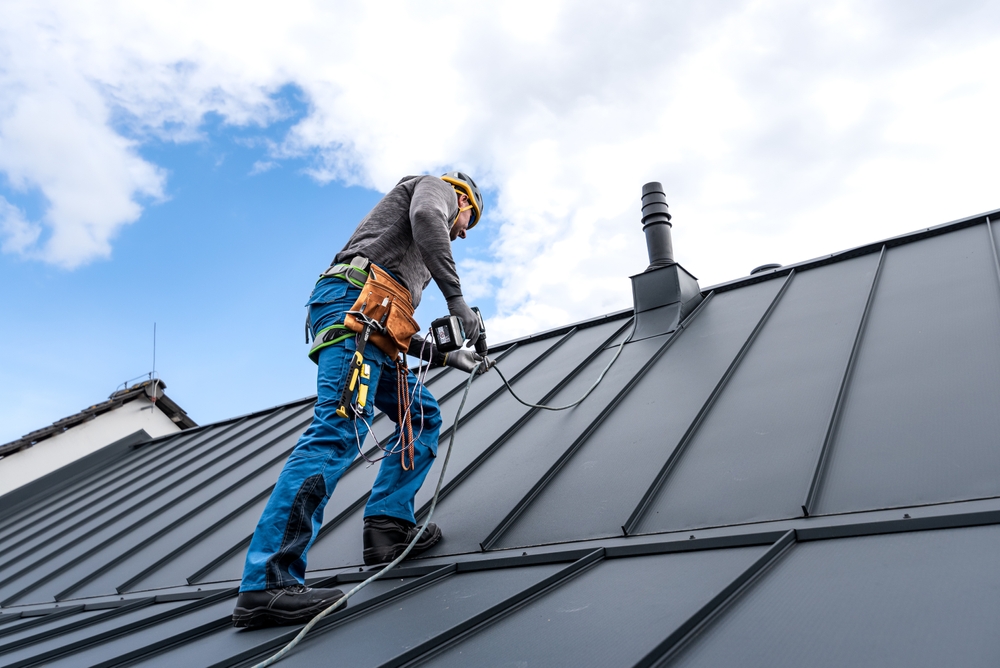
<point x="291" y="605"/>
<point x="387" y="537"/>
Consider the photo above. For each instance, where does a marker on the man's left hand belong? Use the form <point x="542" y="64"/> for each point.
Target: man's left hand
<point x="466" y="360"/>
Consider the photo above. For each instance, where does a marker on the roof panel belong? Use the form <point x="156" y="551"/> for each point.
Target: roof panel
<point x="550" y="361"/>
<point x="181" y="518"/>
<point x="920" y="421"/>
<point x="109" y="488"/>
<point x="140" y="516"/>
<point x="46" y="627"/>
<point x="417" y="617"/>
<point x="54" y="557"/>
<point x="519" y="461"/>
<point x="156" y="626"/>
<point x="83" y="629"/>
<point x="81" y="494"/>
<point x="752" y="458"/>
<point x="560" y="434"/>
<point x="912" y="599"/>
<point x="191" y="556"/>
<point x="630" y="591"/>
<point x="225" y="641"/>
<point x="594" y="494"/>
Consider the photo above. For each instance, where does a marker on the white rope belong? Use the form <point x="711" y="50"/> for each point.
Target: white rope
<point x="585" y="395"/>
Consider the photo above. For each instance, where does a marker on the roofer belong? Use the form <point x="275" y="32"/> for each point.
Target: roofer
<point x="374" y="282"/>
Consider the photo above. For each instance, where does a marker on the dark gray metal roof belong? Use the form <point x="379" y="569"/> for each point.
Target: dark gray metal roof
<point x="805" y="472"/>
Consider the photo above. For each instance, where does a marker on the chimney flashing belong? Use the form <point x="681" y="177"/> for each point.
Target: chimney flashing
<point x="660" y="286"/>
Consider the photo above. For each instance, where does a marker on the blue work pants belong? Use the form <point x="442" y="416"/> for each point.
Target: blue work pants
<point x="294" y="512"/>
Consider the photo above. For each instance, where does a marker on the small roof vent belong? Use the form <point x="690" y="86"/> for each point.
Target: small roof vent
<point x="764" y="267"/>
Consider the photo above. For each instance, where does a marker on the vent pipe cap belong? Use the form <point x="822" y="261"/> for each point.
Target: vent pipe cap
<point x="656" y="225"/>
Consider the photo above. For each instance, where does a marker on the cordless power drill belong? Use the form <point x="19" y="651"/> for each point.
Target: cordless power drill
<point x="449" y="334"/>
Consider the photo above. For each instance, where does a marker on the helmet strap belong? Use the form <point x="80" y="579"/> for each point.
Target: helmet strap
<point x="468" y="195"/>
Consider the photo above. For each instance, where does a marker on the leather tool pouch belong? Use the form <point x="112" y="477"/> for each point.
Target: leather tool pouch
<point x="399" y="325"/>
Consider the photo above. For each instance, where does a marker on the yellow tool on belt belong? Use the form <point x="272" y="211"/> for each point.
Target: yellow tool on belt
<point x="359" y="371"/>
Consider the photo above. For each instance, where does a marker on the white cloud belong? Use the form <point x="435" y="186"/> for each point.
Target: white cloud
<point x="262" y="166"/>
<point x="781" y="130"/>
<point x="17" y="232"/>
<point x="55" y="136"/>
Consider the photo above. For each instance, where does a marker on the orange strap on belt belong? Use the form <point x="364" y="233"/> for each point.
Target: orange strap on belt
<point x="403" y="412"/>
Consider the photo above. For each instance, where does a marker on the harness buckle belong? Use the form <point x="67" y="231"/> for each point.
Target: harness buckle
<point x="354" y="273"/>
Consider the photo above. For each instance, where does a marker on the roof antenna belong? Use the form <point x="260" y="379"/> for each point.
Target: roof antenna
<point x="152" y="374"/>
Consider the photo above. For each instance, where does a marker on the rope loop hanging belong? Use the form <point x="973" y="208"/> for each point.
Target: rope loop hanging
<point x="403" y="414"/>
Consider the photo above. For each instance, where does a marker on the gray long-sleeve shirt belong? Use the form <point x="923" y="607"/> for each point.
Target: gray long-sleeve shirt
<point x="408" y="233"/>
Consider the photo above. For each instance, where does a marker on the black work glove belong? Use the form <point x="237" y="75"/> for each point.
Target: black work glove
<point x="465" y="360"/>
<point x="470" y="323"/>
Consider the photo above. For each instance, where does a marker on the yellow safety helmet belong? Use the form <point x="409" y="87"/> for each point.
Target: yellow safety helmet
<point x="464" y="184"/>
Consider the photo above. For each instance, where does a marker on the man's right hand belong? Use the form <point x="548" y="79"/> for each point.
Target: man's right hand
<point x="470" y="323"/>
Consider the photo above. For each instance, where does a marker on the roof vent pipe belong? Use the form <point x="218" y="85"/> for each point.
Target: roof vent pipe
<point x="656" y="224"/>
<point x="665" y="293"/>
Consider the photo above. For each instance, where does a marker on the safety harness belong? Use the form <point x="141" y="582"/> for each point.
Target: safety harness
<point x="354" y="273"/>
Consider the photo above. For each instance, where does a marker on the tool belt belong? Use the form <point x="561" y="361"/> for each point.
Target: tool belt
<point x="383" y="315"/>
<point x="385" y="300"/>
<point x="375" y="288"/>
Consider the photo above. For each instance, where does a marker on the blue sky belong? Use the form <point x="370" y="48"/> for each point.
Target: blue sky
<point x="223" y="266"/>
<point x="197" y="163"/>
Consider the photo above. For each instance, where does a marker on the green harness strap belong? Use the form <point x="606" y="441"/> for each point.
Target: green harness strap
<point x="334" y="334"/>
<point x="346" y="272"/>
<point x="328" y="336"/>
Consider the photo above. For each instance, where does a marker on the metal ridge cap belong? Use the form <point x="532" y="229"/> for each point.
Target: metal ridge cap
<point x="856" y="251"/>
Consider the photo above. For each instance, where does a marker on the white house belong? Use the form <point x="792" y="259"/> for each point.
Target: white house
<point x="142" y="407"/>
